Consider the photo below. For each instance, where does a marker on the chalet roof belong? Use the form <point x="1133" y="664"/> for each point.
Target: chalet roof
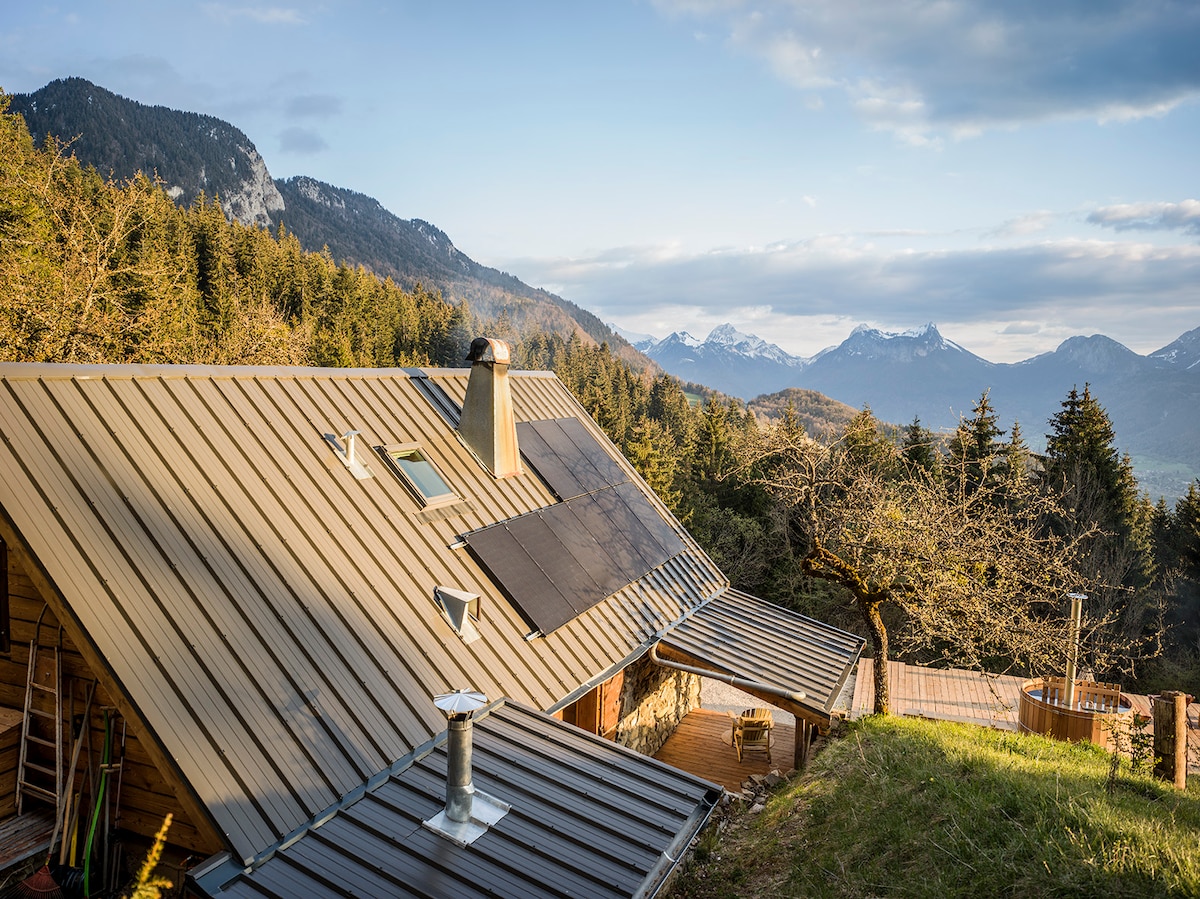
<point x="268" y="617"/>
<point x="588" y="818"/>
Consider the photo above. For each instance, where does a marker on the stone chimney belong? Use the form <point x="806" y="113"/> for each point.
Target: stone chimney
<point x="487" y="424"/>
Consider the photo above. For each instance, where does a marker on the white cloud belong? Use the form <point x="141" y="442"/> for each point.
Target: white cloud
<point x="262" y="15"/>
<point x="1032" y="223"/>
<point x="1183" y="216"/>
<point x="926" y="69"/>
<point x="1005" y="303"/>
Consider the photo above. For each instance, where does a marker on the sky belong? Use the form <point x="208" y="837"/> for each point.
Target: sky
<point x="1016" y="173"/>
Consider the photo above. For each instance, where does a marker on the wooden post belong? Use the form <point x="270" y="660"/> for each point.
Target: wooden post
<point x="1170" y="737"/>
<point x="800" y="751"/>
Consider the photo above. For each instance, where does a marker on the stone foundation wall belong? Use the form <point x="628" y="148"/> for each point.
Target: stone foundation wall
<point x="654" y="700"/>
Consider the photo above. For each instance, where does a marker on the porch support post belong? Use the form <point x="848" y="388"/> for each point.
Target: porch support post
<point x="803" y="735"/>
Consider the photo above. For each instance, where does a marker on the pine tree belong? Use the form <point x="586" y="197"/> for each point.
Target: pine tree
<point x="975" y="453"/>
<point x="919" y="448"/>
<point x="1099" y="495"/>
<point x="1082" y="463"/>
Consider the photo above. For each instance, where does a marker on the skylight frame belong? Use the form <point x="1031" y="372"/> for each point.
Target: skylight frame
<point x="411" y="465"/>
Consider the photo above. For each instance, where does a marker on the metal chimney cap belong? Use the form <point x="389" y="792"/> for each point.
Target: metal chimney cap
<point x="489" y="349"/>
<point x="460" y="702"/>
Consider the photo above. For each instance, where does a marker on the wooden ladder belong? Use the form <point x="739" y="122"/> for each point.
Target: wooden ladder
<point x="35" y="778"/>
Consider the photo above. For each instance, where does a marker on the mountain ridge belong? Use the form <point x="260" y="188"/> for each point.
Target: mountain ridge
<point x="193" y="154"/>
<point x="1152" y="399"/>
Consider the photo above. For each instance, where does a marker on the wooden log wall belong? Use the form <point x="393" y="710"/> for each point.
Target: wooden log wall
<point x="145" y="795"/>
<point x="10" y="730"/>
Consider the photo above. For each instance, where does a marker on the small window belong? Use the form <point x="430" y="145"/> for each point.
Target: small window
<point x="418" y="473"/>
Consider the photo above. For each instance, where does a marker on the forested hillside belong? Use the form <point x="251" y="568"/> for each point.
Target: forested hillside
<point x="192" y="155"/>
<point x="926" y="544"/>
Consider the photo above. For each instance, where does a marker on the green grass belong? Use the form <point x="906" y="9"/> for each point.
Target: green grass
<point x="900" y="807"/>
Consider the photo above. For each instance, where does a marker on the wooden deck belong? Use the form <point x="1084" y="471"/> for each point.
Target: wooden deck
<point x="701" y="745"/>
<point x="24" y="843"/>
<point x="957" y="695"/>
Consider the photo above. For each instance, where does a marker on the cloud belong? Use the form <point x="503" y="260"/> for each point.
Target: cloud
<point x="1013" y="301"/>
<point x="302" y="141"/>
<point x="261" y="15"/>
<point x="1184" y="216"/>
<point x="929" y="69"/>
<point x="1032" y="223"/>
<point x="313" y="106"/>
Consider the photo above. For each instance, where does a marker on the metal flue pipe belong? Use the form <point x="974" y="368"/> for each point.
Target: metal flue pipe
<point x="1073" y="647"/>
<point x="460" y="788"/>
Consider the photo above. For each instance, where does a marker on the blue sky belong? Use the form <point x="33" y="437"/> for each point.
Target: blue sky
<point x="1016" y="173"/>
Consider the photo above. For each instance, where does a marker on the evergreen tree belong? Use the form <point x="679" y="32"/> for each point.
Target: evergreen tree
<point x="919" y="448"/>
<point x="1083" y="465"/>
<point x="1099" y="497"/>
<point x="975" y="452"/>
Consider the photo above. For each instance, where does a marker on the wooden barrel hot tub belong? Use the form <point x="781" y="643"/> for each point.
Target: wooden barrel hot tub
<point x="1041" y="710"/>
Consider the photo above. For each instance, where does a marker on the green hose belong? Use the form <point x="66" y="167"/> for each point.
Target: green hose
<point x="97" y="805"/>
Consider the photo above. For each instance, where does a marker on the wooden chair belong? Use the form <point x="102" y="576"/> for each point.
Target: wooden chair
<point x="752" y="730"/>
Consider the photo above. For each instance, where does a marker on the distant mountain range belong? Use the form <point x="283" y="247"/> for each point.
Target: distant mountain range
<point x="1153" y="401"/>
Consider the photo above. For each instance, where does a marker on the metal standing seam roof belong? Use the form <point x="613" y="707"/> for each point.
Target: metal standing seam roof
<point x="269" y="617"/>
<point x="588" y="818"/>
<point x="756" y="640"/>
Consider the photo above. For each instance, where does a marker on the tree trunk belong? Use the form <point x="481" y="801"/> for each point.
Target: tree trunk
<point x="879" y="642"/>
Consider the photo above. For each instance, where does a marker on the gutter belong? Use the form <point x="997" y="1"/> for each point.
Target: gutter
<point x="661" y="875"/>
<point x="740" y="682"/>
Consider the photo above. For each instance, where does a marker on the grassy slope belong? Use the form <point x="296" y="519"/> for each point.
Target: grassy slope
<point x="905" y="808"/>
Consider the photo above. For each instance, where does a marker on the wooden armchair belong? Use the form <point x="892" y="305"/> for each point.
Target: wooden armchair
<point x="752" y="730"/>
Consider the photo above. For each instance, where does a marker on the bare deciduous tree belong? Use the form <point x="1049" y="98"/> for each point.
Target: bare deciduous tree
<point x="974" y="578"/>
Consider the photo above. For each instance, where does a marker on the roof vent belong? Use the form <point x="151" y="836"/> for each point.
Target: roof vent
<point x="487" y="424"/>
<point x="461" y="611"/>
<point x="468" y="813"/>
<point x="347" y="451"/>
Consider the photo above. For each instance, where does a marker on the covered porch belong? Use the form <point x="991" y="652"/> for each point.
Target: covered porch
<point x="752" y="654"/>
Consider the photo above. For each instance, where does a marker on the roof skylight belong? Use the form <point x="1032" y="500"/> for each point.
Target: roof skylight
<point x="414" y="469"/>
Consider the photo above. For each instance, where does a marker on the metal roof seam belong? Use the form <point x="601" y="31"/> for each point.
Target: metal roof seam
<point x="131" y="567"/>
<point x="267" y="645"/>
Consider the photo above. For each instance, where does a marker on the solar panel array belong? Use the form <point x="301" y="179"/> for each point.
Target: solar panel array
<point x="555" y="563"/>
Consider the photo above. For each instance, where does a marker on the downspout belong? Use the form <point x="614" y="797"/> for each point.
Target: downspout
<point x="740" y="682"/>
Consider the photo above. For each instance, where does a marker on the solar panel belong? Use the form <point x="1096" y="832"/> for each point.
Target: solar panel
<point x="668" y="539"/>
<point x="588" y="550"/>
<point x="526" y="585"/>
<point x="632" y="549"/>
<point x="541" y="538"/>
<point x="545" y="461"/>
<point x="558" y="562"/>
<point x="567" y="457"/>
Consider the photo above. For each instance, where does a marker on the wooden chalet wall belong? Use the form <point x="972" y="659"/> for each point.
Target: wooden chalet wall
<point x="145" y="794"/>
